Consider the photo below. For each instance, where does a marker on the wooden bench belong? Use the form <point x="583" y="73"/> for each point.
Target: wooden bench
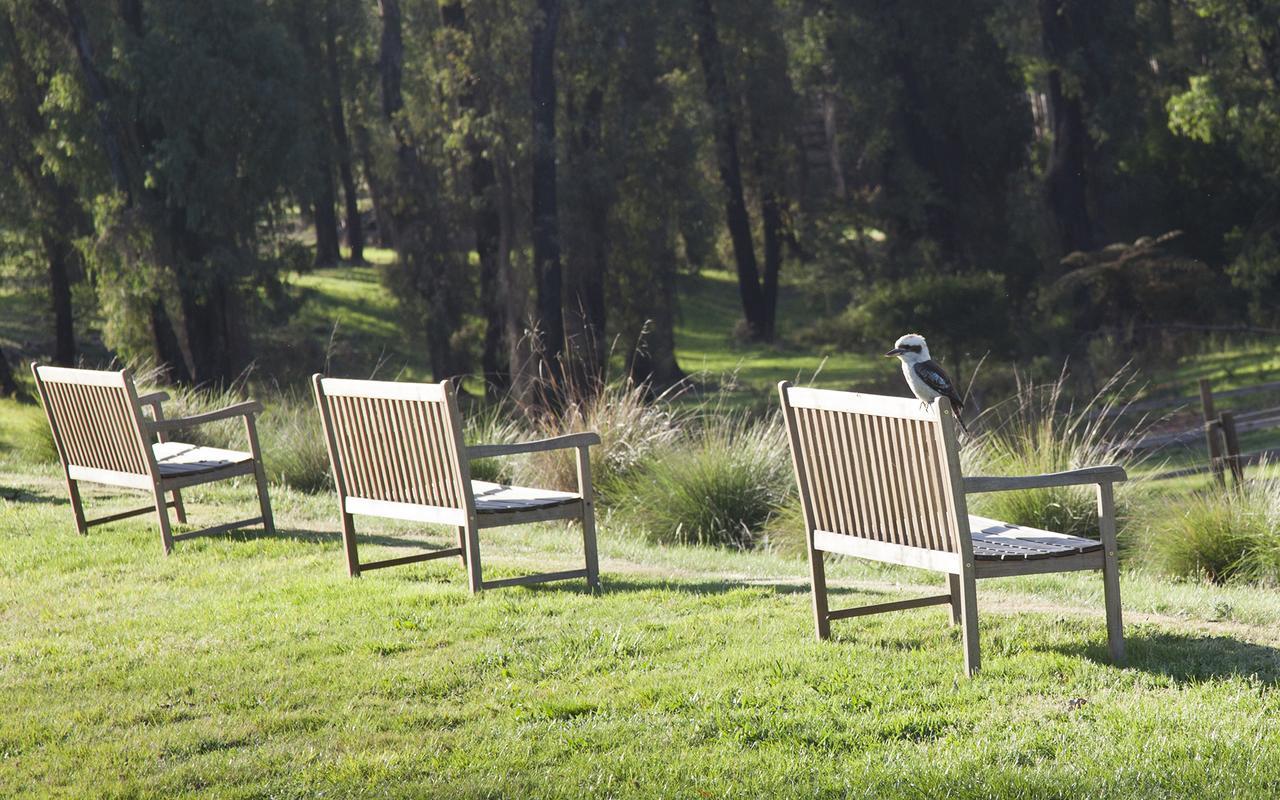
<point x="397" y="451"/>
<point x="879" y="478"/>
<point x="103" y="436"/>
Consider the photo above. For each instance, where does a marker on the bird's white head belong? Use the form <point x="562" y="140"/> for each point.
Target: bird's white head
<point x="910" y="348"/>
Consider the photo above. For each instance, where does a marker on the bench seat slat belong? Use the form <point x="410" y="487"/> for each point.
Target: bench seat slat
<point x="999" y="541"/>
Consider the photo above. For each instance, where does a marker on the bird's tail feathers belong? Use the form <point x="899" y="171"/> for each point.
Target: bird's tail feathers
<point x="957" y="408"/>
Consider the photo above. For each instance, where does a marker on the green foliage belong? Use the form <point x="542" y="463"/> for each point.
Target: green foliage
<point x="633" y="428"/>
<point x="1220" y="535"/>
<point x="1122" y="286"/>
<point x="1039" y="431"/>
<point x="718" y="485"/>
<point x="968" y="312"/>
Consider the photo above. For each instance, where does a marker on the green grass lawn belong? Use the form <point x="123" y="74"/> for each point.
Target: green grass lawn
<point x="706" y="346"/>
<point x="251" y="666"/>
<point x="248" y="665"/>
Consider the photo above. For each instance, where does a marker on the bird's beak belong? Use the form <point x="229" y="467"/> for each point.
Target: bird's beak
<point x="897" y="351"/>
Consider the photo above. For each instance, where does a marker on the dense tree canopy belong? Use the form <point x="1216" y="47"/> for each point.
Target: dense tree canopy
<point x="546" y="170"/>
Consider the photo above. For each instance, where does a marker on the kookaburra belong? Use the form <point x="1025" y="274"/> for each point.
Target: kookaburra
<point x="927" y="380"/>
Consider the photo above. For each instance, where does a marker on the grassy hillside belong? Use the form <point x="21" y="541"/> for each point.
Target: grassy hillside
<point x="251" y="666"/>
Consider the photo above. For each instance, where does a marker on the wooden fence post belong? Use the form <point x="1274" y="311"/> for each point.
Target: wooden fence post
<point x="1211" y="424"/>
<point x="1233" y="447"/>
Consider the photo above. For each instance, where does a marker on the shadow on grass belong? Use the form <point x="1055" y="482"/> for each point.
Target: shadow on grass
<point x="1191" y="659"/>
<point x="14" y="495"/>
<point x="307" y="536"/>
<point x="713" y="587"/>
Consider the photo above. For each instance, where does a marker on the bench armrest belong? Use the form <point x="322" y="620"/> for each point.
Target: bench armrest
<point x="245" y="409"/>
<point x="153" y="399"/>
<point x="538" y="445"/>
<point x="1074" y="477"/>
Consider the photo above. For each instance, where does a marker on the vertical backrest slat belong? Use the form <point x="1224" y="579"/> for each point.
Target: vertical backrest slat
<point x="844" y="472"/>
<point x="874" y="467"/>
<point x="393" y="441"/>
<point x="95" y="419"/>
<point x="872" y="499"/>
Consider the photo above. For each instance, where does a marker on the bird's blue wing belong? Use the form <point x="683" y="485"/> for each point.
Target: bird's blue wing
<point x="935" y="378"/>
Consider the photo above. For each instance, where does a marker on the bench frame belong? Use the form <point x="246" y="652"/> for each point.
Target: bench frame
<point x="103" y="436"/>
<point x="879" y="478"/>
<point x="429" y="480"/>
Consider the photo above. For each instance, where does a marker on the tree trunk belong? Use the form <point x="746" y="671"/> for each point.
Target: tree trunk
<point x="725" y="130"/>
<point x="377" y="193"/>
<point x="485" y="219"/>
<point x="588" y="237"/>
<point x="78" y="33"/>
<point x="546" y="223"/>
<point x="342" y="142"/>
<point x="418" y="240"/>
<point x="654" y="361"/>
<point x="326" y="221"/>
<point x="68" y="219"/>
<point x="1066" y="175"/>
<point x="59" y="252"/>
<point x="8" y="386"/>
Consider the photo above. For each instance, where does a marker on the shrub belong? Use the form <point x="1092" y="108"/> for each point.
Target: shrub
<point x="970" y="312"/>
<point x="289" y="433"/>
<point x="1221" y="535"/>
<point x="492" y="425"/>
<point x="718" y="485"/>
<point x="1035" y="432"/>
<point x="293" y="444"/>
<point x="632" y="426"/>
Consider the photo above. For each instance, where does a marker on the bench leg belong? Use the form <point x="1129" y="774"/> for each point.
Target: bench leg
<point x="969" y="623"/>
<point x="1110" y="572"/>
<point x="264" y="499"/>
<point x="77" y="507"/>
<point x="462" y="544"/>
<point x="162" y="514"/>
<point x="817" y="573"/>
<point x="349" y="544"/>
<point x="472" y="549"/>
<point x="589" y="547"/>
<point x="179" y="510"/>
<point x="953" y="581"/>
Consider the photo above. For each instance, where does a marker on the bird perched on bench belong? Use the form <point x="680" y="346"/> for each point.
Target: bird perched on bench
<point x="927" y="380"/>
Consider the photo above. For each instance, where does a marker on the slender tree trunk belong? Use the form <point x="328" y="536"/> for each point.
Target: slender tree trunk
<point x="587" y="258"/>
<point x="8" y="386"/>
<point x="654" y="361"/>
<point x="485" y="218"/>
<point x="59" y="253"/>
<point x="418" y="241"/>
<point x="767" y="151"/>
<point x="377" y="192"/>
<point x="546" y="223"/>
<point x="725" y="129"/>
<point x="326" y="221"/>
<point x="323" y="194"/>
<point x="78" y="34"/>
<point x="342" y="142"/>
<point x="1066" y="175"/>
<point x="68" y="219"/>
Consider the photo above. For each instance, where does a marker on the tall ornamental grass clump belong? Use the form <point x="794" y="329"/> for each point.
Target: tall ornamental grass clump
<point x="633" y="426"/>
<point x="1037" y="431"/>
<point x="719" y="484"/>
<point x="1221" y="535"/>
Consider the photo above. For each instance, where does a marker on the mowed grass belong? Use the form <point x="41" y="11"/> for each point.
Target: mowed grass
<point x="706" y="345"/>
<point x="248" y="665"/>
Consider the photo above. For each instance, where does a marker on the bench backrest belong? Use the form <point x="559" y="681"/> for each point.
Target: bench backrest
<point x="95" y="418"/>
<point x="875" y="467"/>
<point x="395" y="442"/>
